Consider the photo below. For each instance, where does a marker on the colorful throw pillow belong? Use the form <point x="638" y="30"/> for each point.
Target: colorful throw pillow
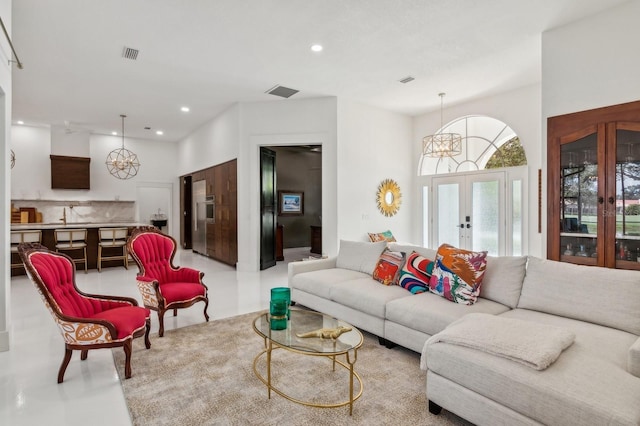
<point x="387" y="270"/>
<point x="382" y="236"/>
<point x="458" y="274"/>
<point x="415" y="274"/>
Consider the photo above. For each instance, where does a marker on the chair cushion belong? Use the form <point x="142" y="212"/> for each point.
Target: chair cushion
<point x="126" y="320"/>
<point x="56" y="272"/>
<point x="181" y="291"/>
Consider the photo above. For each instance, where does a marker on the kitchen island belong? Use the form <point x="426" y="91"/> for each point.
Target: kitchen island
<point x="48" y="239"/>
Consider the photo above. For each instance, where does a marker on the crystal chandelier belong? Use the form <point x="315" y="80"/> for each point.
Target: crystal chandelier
<point x="121" y="162"/>
<point x="442" y="144"/>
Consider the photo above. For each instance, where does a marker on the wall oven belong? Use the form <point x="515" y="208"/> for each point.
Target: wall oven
<point x="210" y="208"/>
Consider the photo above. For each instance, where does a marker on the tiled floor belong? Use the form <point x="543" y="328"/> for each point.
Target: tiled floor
<point x="91" y="392"/>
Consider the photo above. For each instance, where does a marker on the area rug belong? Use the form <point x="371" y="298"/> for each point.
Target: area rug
<point x="203" y="375"/>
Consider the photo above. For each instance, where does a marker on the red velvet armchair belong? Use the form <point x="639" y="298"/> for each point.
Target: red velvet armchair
<point x="162" y="285"/>
<point x="86" y="321"/>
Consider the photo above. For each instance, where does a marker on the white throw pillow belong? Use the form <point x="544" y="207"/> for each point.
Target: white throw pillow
<point x="359" y="256"/>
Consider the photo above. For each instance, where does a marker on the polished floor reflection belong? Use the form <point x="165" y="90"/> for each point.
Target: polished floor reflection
<point x="91" y="392"/>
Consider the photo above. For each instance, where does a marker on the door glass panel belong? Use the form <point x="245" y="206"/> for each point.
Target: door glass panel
<point x="448" y="214"/>
<point x="628" y="195"/>
<point x="425" y="216"/>
<point x="516" y="218"/>
<point x="579" y="197"/>
<point x="485" y="216"/>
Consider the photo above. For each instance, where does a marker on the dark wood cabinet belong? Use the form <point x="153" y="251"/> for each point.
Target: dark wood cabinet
<point x="316" y="239"/>
<point x="594" y="187"/>
<point x="70" y="172"/>
<point x="222" y="234"/>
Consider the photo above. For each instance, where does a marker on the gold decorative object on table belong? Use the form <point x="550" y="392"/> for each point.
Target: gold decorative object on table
<point x="389" y="197"/>
<point x="326" y="333"/>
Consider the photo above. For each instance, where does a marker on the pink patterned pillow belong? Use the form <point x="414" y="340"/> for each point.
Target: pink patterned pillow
<point x="458" y="274"/>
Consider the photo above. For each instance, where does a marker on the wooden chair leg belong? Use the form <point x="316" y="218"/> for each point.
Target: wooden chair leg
<point x="85" y="260"/>
<point x="161" y="322"/>
<point x="126" y="257"/>
<point x="99" y="258"/>
<point x="147" y="342"/>
<point x="175" y="312"/>
<point x="83" y="354"/>
<point x="206" y="305"/>
<point x="65" y="363"/>
<point x="127" y="358"/>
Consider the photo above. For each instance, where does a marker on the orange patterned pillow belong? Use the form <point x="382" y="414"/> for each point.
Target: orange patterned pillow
<point x="458" y="274"/>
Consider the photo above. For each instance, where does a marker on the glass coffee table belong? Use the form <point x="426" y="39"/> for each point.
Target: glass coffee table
<point x="312" y="324"/>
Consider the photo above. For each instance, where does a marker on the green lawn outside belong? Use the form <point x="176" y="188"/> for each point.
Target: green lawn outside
<point x="632" y="226"/>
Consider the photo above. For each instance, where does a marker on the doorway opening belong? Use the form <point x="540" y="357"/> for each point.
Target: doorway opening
<point x="296" y="192"/>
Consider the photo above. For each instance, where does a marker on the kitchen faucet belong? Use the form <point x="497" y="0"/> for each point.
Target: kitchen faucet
<point x="64" y="216"/>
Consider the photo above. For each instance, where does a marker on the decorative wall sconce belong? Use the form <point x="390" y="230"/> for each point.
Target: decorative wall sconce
<point x="388" y="197"/>
<point x="13" y="159"/>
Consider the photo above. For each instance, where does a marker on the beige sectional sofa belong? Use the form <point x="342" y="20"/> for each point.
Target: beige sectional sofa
<point x="595" y="381"/>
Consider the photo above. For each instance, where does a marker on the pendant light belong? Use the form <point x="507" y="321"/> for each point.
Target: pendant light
<point x="122" y="163"/>
<point x="442" y="144"/>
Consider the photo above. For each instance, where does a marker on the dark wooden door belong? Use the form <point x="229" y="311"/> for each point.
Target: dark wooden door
<point x="268" y="204"/>
<point x="186" y="219"/>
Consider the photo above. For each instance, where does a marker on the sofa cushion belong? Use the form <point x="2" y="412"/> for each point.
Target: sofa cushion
<point x="321" y="281"/>
<point x="366" y="295"/>
<point x="359" y="256"/>
<point x="604" y="296"/>
<point x="503" y="278"/>
<point x="430" y="313"/>
<point x="458" y="274"/>
<point x="415" y="274"/>
<point x="429" y="253"/>
<point x="581" y="387"/>
<point x="387" y="270"/>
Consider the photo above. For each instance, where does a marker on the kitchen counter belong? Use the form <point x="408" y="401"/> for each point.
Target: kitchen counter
<point x="48" y="239"/>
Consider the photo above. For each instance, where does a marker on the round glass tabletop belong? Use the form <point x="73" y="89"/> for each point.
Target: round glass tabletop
<point x="303" y="331"/>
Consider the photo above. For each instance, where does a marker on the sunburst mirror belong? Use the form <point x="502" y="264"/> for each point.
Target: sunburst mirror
<point x="389" y="197"/>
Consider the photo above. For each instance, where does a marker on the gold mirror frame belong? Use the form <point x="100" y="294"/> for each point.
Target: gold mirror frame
<point x="389" y="186"/>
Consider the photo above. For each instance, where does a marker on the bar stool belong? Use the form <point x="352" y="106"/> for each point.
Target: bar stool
<point x="72" y="240"/>
<point x="111" y="238"/>
<point x="17" y="237"/>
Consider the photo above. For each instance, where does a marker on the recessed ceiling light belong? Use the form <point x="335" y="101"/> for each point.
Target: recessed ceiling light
<point x="114" y="133"/>
<point x="316" y="48"/>
<point x="159" y="132"/>
<point x="184" y="109"/>
<point x="20" y="122"/>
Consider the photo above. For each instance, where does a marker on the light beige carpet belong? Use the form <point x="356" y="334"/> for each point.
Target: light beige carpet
<point x="203" y="375"/>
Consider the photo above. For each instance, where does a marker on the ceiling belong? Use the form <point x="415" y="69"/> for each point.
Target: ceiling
<point x="208" y="55"/>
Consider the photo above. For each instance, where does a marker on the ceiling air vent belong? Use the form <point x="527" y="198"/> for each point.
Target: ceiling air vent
<point x="281" y="91"/>
<point x="406" y="80"/>
<point x="130" y="53"/>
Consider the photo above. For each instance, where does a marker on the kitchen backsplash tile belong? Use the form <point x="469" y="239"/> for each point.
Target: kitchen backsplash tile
<point x="81" y="211"/>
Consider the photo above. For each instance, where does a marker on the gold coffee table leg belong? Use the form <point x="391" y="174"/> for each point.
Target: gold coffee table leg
<point x="355" y="358"/>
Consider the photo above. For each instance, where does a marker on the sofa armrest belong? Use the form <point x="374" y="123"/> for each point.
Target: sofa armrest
<point x="633" y="359"/>
<point x="310" y="265"/>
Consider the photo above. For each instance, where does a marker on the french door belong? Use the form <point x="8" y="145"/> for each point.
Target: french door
<point x="479" y="211"/>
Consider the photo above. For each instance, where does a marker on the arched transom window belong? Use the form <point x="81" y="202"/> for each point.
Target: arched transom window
<point x="486" y="143"/>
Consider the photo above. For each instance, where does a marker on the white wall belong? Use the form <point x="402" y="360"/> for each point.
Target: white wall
<point x="215" y="142"/>
<point x="31" y="177"/>
<point x="373" y="145"/>
<point x="520" y="109"/>
<point x="590" y="64"/>
<point x="5" y="169"/>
